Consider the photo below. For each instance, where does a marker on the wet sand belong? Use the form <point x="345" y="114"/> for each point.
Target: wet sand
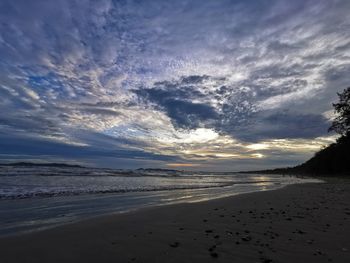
<point x="299" y="223"/>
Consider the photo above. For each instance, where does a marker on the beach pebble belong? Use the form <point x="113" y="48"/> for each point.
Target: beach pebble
<point x="266" y="260"/>
<point x="246" y="238"/>
<point x="174" y="244"/>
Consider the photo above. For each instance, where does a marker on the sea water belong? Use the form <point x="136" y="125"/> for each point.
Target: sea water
<point x="35" y="198"/>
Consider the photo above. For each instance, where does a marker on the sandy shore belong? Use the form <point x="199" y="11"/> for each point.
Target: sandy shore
<point x="300" y="223"/>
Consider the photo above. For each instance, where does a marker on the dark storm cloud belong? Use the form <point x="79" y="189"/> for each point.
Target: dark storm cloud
<point x="195" y="79"/>
<point x="289" y="125"/>
<point x="187" y="114"/>
<point x="176" y="101"/>
<point x="281" y="125"/>
<point x="235" y="113"/>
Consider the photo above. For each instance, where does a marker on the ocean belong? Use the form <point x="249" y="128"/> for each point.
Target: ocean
<point x="35" y="198"/>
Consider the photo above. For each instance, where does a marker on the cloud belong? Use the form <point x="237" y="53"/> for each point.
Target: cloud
<point x="177" y="102"/>
<point x="148" y="72"/>
<point x="92" y="145"/>
<point x="233" y="111"/>
<point x="283" y="125"/>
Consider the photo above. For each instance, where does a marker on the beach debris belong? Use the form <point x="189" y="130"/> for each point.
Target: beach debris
<point x="229" y="233"/>
<point x="300" y="231"/>
<point x="318" y="252"/>
<point x="266" y="260"/>
<point x="174" y="244"/>
<point x="211" y="249"/>
<point x="246" y="238"/>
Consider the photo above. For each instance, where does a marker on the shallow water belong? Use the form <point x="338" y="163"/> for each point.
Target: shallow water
<point x="38" y="198"/>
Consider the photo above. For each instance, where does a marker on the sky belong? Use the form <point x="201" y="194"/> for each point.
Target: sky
<point x="206" y="85"/>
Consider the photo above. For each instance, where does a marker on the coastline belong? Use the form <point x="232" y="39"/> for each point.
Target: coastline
<point x="24" y="215"/>
<point x="267" y="226"/>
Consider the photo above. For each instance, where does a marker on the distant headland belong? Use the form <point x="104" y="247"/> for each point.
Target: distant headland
<point x="30" y="164"/>
<point x="335" y="158"/>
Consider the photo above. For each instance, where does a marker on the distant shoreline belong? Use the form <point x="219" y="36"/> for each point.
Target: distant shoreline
<point x="29" y="164"/>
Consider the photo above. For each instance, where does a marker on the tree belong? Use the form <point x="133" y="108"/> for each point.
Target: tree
<point x="341" y="124"/>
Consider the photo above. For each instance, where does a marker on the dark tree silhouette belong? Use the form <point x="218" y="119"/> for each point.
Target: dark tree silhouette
<point x="335" y="158"/>
<point x="341" y="123"/>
